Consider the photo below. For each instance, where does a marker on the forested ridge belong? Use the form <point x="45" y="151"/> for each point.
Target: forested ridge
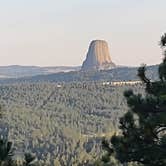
<point x="115" y="74"/>
<point x="62" y="124"/>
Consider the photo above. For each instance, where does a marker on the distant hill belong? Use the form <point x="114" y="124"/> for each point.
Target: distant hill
<point x="16" y="71"/>
<point x="116" y="74"/>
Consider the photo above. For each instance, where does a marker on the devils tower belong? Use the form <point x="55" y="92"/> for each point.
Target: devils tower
<point x="98" y="57"/>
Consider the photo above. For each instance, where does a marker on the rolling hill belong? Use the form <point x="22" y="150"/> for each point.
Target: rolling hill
<point x="116" y="74"/>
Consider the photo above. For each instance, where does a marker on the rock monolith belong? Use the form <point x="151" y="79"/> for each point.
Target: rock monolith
<point x="98" y="57"/>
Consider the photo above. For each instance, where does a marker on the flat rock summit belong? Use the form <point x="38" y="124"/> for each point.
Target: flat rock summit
<point x="98" y="57"/>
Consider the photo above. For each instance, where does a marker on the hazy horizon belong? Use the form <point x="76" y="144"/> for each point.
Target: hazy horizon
<point x="58" y="33"/>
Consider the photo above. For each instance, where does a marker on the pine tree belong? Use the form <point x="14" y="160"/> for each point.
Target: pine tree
<point x="30" y="159"/>
<point x="5" y="151"/>
<point x="143" y="138"/>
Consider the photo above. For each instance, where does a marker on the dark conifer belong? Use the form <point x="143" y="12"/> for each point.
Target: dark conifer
<point x="143" y="138"/>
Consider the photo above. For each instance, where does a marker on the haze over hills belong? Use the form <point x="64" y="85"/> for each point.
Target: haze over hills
<point x="17" y="71"/>
<point x="116" y="74"/>
<point x="97" y="66"/>
<point x="98" y="58"/>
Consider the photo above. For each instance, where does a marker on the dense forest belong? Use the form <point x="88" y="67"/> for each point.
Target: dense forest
<point x="62" y="124"/>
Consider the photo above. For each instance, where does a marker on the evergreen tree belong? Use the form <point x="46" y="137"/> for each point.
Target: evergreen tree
<point x="5" y="151"/>
<point x="143" y="138"/>
<point x="5" y="146"/>
<point x="30" y="159"/>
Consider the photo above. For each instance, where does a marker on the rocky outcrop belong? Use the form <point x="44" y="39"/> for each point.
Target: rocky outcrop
<point x="98" y="57"/>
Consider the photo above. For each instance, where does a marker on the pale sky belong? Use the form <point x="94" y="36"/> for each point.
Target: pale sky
<point x="58" y="32"/>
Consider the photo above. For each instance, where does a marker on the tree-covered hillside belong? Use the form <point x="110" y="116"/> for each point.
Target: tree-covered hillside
<point x="63" y="124"/>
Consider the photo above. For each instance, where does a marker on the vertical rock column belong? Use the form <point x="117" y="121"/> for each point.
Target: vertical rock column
<point x="98" y="56"/>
